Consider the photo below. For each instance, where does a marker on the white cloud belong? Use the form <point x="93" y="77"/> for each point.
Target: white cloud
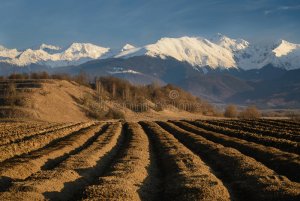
<point x="282" y="8"/>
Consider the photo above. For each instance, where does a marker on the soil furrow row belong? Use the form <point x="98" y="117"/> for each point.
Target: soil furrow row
<point x="284" y="163"/>
<point x="46" y="158"/>
<point x="25" y="135"/>
<point x="186" y="176"/>
<point x="282" y="144"/>
<point x="11" y="129"/>
<point x="36" y="142"/>
<point x="128" y="178"/>
<point x="249" y="179"/>
<point x="72" y="175"/>
<point x="276" y="125"/>
<point x="265" y="131"/>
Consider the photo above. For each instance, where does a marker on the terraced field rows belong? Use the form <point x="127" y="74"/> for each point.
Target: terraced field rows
<point x="177" y="160"/>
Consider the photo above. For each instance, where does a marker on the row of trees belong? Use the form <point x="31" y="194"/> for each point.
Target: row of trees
<point x="111" y="88"/>
<point x="250" y="112"/>
<point x="81" y="78"/>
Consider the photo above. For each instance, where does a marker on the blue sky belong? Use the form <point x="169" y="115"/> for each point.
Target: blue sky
<point x="111" y="23"/>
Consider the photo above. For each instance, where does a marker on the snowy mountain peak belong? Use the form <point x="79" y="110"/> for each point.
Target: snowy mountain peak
<point x="196" y="51"/>
<point x="127" y="47"/>
<point x="219" y="52"/>
<point x="229" y="43"/>
<point x="85" y="48"/>
<point x="77" y="51"/>
<point x="285" y="48"/>
<point x="8" y="53"/>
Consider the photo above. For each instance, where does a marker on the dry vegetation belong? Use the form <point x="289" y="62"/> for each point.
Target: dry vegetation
<point x="35" y="95"/>
<point x="174" y="160"/>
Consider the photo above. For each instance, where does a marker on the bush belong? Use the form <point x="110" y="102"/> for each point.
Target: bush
<point x="231" y="111"/>
<point x="114" y="114"/>
<point x="18" y="76"/>
<point x="10" y="94"/>
<point x="250" y="112"/>
<point x="39" y="75"/>
<point x="294" y="116"/>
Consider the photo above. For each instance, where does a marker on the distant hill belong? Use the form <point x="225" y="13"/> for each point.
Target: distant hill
<point x="110" y="98"/>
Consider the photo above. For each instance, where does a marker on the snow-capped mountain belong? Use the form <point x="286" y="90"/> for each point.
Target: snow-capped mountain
<point x="6" y="53"/>
<point x="284" y="48"/>
<point x="221" y="51"/>
<point x="218" y="52"/>
<point x="195" y="51"/>
<point x="287" y="55"/>
<point x="53" y="56"/>
<point x="233" y="45"/>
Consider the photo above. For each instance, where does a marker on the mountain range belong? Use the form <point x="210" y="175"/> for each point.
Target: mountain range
<point x="221" y="69"/>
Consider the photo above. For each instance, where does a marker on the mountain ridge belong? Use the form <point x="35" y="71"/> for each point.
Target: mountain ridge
<point x="218" y="52"/>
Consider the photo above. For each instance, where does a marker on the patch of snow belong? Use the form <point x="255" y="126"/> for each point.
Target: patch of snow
<point x="285" y="48"/>
<point x="127" y="47"/>
<point x="119" y="70"/>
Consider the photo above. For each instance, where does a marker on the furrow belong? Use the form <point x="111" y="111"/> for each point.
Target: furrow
<point x="36" y="142"/>
<point x="25" y="135"/>
<point x="128" y="178"/>
<point x="249" y="179"/>
<point x="256" y="129"/>
<point x="284" y="163"/>
<point x="72" y="175"/>
<point x="22" y="167"/>
<point x="186" y="176"/>
<point x="282" y="144"/>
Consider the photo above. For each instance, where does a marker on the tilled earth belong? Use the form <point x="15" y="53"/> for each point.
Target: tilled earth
<point x="174" y="160"/>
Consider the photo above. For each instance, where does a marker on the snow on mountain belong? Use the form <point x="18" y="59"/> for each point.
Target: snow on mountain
<point x="130" y="52"/>
<point x="30" y="56"/>
<point x="83" y="50"/>
<point x="285" y="48"/>
<point x="230" y="44"/>
<point x="127" y="47"/>
<point x="48" y="55"/>
<point x="120" y="70"/>
<point x="198" y="52"/>
<point x="8" y="53"/>
<point x="286" y="55"/>
<point x="219" y="52"/>
<point x="253" y="57"/>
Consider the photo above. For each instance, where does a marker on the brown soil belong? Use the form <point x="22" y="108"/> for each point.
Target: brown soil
<point x="175" y="160"/>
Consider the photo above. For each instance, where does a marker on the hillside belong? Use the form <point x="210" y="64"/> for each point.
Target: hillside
<point x="52" y="100"/>
<point x="67" y="101"/>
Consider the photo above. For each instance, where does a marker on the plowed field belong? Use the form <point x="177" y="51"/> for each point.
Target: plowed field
<point x="175" y="160"/>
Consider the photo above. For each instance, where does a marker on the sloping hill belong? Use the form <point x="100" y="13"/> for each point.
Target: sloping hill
<point x="55" y="100"/>
<point x="52" y="100"/>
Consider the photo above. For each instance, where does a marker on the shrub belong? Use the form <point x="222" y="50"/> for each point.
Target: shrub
<point x="250" y="112"/>
<point x="114" y="114"/>
<point x="231" y="111"/>
<point x="10" y="94"/>
<point x="39" y="75"/>
<point x="294" y="116"/>
<point x="18" y="76"/>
